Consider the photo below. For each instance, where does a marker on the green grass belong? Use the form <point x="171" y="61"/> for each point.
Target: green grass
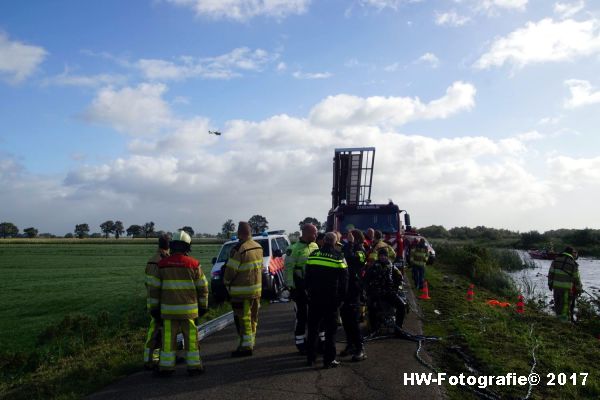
<point x="72" y="317"/>
<point x="497" y="341"/>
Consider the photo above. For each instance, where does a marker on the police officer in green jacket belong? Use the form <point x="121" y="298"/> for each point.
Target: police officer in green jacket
<point x="295" y="262"/>
<point x="564" y="281"/>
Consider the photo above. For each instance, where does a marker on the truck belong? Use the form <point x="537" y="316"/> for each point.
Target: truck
<point x="351" y="206"/>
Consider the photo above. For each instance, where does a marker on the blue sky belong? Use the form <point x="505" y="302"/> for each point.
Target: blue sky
<point x="483" y="112"/>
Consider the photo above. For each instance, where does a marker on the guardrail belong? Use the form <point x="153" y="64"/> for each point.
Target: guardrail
<point x="210" y="327"/>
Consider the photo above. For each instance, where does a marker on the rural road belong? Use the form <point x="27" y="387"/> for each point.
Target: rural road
<point x="277" y="371"/>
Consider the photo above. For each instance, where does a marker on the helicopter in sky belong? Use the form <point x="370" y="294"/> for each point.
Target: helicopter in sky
<point x="217" y="133"/>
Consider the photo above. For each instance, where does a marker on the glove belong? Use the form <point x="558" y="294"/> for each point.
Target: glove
<point x="202" y="311"/>
<point x="155" y="313"/>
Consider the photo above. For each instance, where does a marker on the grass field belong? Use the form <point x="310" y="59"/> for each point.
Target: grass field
<point x="44" y="281"/>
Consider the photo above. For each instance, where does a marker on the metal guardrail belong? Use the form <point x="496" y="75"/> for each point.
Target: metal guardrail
<point x="210" y="327"/>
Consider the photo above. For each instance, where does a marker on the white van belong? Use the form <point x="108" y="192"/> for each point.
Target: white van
<point x="274" y="244"/>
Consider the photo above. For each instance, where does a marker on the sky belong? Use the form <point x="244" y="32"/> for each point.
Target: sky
<point x="482" y="112"/>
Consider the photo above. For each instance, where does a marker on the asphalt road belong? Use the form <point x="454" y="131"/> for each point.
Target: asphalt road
<point x="277" y="371"/>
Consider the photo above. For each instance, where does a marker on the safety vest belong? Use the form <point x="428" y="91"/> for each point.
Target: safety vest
<point x="418" y="256"/>
<point x="183" y="287"/>
<point x="380" y="244"/>
<point x="564" y="273"/>
<point x="243" y="271"/>
<point x="295" y="260"/>
<point x="326" y="275"/>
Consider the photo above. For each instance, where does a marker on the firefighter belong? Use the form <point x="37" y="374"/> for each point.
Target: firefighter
<point x="564" y="281"/>
<point x="382" y="282"/>
<point x="378" y="244"/>
<point x="418" y="260"/>
<point x="183" y="297"/>
<point x="326" y="280"/>
<point x="354" y="253"/>
<point x="153" y="338"/>
<point x="243" y="280"/>
<point x="295" y="261"/>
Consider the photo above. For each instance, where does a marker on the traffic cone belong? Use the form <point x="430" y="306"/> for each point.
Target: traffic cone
<point x="425" y="292"/>
<point x="520" y="305"/>
<point x="470" y="292"/>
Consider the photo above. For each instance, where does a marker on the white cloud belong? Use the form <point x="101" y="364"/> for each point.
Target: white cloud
<point x="582" y="93"/>
<point x="343" y="109"/>
<point x="68" y="79"/>
<point x="519" y="5"/>
<point x="381" y="4"/>
<point x="392" y="67"/>
<point x="450" y="18"/>
<point x="529" y="136"/>
<point x="575" y="171"/>
<point x="242" y="10"/>
<point x="226" y="66"/>
<point x="281" y="67"/>
<point x="567" y="10"/>
<point x="544" y="41"/>
<point x="137" y="110"/>
<point x="429" y="58"/>
<point x="17" y="60"/>
<point x="312" y="75"/>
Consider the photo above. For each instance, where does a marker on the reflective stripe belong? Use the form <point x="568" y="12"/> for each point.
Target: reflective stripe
<point x="153" y="281"/>
<point x="146" y="355"/>
<point x="233" y="264"/>
<point x="178" y="285"/>
<point x="201" y="282"/>
<point x="251" y="265"/>
<point x="237" y="290"/>
<point x="167" y="359"/>
<point x="326" y="262"/>
<point x="194" y="354"/>
<point x="179" y="309"/>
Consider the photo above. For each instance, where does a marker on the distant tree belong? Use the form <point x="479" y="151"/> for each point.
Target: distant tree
<point x="46" y="235"/>
<point x="258" y="223"/>
<point x="30" y="232"/>
<point x="530" y="239"/>
<point x="69" y="236"/>
<point x="585" y="237"/>
<point x="310" y="220"/>
<point x="434" y="231"/>
<point x="189" y="230"/>
<point x="118" y="229"/>
<point x="107" y="227"/>
<point x="135" y="230"/>
<point x="81" y="230"/>
<point x="96" y="235"/>
<point x="148" y="229"/>
<point x="227" y="229"/>
<point x="8" y="229"/>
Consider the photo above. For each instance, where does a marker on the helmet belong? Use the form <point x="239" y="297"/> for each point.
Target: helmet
<point x="182" y="236"/>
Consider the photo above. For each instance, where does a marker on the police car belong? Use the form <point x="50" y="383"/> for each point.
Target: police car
<point x="274" y="244"/>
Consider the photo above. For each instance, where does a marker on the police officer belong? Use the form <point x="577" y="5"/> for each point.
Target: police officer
<point x="354" y="253"/>
<point x="564" y="281"/>
<point x="295" y="262"/>
<point x="183" y="297"/>
<point x="326" y="281"/>
<point x="243" y="280"/>
<point x="153" y="337"/>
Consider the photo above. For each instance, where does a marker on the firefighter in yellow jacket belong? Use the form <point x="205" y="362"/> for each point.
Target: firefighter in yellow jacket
<point x="243" y="280"/>
<point x="153" y="337"/>
<point x="379" y="244"/>
<point x="183" y="297"/>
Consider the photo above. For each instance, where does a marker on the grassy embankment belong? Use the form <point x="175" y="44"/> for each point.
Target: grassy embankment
<point x="497" y="341"/>
<point x="72" y="313"/>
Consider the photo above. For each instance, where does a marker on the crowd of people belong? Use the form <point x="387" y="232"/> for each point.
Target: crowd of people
<point x="328" y="279"/>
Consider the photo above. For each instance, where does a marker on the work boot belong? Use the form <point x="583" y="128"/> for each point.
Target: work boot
<point x="359" y="356"/>
<point x="241" y="353"/>
<point x="347" y="351"/>
<point x="195" y="371"/>
<point x="332" y="364"/>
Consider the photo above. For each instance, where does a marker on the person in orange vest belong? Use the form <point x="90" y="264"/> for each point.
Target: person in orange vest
<point x="183" y="297"/>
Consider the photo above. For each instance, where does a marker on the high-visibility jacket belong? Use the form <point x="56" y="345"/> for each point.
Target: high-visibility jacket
<point x="153" y="280"/>
<point x="380" y="244"/>
<point x="183" y="287"/>
<point x="418" y="256"/>
<point x="564" y="273"/>
<point x="295" y="260"/>
<point x="243" y="271"/>
<point x="326" y="276"/>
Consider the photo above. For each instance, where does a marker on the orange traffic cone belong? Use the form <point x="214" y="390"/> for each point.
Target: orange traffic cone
<point x="520" y="305"/>
<point x="470" y="292"/>
<point x="425" y="292"/>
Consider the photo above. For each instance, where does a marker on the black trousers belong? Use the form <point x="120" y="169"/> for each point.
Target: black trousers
<point x="301" y="301"/>
<point x="393" y="299"/>
<point x="350" y="313"/>
<point x="321" y="315"/>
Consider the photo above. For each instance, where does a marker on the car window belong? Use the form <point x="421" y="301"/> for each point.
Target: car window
<point x="283" y="244"/>
<point x="274" y="245"/>
<point x="265" y="245"/>
<point x="225" y="251"/>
